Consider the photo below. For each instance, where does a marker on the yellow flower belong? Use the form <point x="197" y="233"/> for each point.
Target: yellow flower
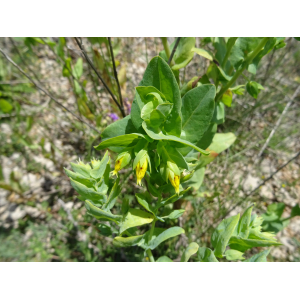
<point x="122" y="160"/>
<point x="140" y="171"/>
<point x="175" y="181"/>
<point x="117" y="166"/>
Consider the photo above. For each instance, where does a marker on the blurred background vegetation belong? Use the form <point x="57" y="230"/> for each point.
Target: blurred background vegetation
<point x="41" y="218"/>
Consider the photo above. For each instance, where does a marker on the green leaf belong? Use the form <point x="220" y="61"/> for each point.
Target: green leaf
<point x="127" y="140"/>
<point x="135" y="217"/>
<point x="120" y="127"/>
<point x="101" y="214"/>
<point x="206" y="255"/>
<point x="189" y="251"/>
<point x="197" y="111"/>
<point x="203" y="53"/>
<point x="244" y="223"/>
<point x="167" y="234"/>
<point x="238" y="90"/>
<point x="88" y="193"/>
<point x="175" y="214"/>
<point x="221" y="142"/>
<point x="105" y="230"/>
<point x="219" y="113"/>
<point x="127" y="241"/>
<point x="171" y="154"/>
<point x="253" y="88"/>
<point x="172" y="199"/>
<point x="208" y="136"/>
<point x="252" y="68"/>
<point x="227" y="98"/>
<point x="159" y="75"/>
<point x="196" y="181"/>
<point x="81" y="169"/>
<point x="99" y="171"/>
<point x="234" y="255"/>
<point x="143" y="199"/>
<point x="222" y="234"/>
<point x="242" y="47"/>
<point x="114" y="193"/>
<point x="89" y="182"/>
<point x="259" y="257"/>
<point x="295" y="211"/>
<point x="164" y="259"/>
<point x="241" y="244"/>
<point x="160" y="136"/>
<point x="297" y="39"/>
<point x="5" y="106"/>
<point x="78" y="68"/>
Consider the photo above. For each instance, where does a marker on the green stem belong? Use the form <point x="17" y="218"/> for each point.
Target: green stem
<point x="246" y="62"/>
<point x="149" y="252"/>
<point x="227" y="54"/>
<point x="166" y="46"/>
<point x="167" y="49"/>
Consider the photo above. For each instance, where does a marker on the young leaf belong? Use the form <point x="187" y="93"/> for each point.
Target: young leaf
<point x="101" y="214"/>
<point x="206" y="255"/>
<point x="135" y="217"/>
<point x="175" y="214"/>
<point x="167" y="234"/>
<point x="234" y="255"/>
<point x="87" y="193"/>
<point x="222" y="234"/>
<point x="89" y="182"/>
<point x="227" y="98"/>
<point x="197" y="111"/>
<point x="164" y="259"/>
<point x="81" y="169"/>
<point x="159" y="75"/>
<point x="114" y="193"/>
<point x="127" y="241"/>
<point x="243" y="227"/>
<point x="259" y="257"/>
<point x="99" y="171"/>
<point x="189" y="251"/>
<point x="241" y="244"/>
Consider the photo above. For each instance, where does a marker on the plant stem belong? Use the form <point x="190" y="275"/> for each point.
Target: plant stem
<point x="227" y="54"/>
<point x="246" y="62"/>
<point x="149" y="252"/>
<point x="166" y="46"/>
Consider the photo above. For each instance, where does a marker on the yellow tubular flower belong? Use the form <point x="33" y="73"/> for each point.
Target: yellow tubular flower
<point x="140" y="171"/>
<point x="117" y="166"/>
<point x="175" y="182"/>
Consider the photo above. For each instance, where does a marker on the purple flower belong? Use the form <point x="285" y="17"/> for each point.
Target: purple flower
<point x="113" y="116"/>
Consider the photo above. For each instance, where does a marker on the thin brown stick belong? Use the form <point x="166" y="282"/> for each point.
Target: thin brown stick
<point x="46" y="92"/>
<point x="99" y="76"/>
<point x="254" y="190"/>
<point x="174" y="50"/>
<point x="116" y="75"/>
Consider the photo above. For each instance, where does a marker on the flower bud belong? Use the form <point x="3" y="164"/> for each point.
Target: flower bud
<point x="123" y="159"/>
<point x="140" y="165"/>
<point x="173" y="174"/>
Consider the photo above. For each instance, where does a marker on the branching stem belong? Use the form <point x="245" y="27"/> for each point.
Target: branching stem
<point x="246" y="62"/>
